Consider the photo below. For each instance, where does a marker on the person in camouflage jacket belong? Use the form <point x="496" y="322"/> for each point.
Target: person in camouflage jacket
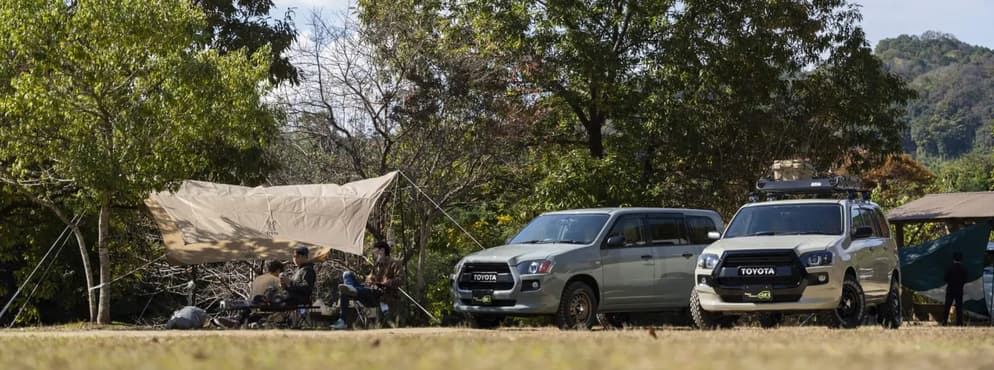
<point x="382" y="285"/>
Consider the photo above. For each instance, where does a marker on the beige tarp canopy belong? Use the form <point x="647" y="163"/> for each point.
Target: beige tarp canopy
<point x="204" y="222"/>
<point x="945" y="206"/>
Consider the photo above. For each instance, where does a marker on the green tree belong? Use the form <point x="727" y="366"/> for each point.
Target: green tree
<point x="233" y="25"/>
<point x="105" y="99"/>
<point x="971" y="172"/>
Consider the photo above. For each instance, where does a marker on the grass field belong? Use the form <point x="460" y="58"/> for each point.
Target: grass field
<point x="514" y="349"/>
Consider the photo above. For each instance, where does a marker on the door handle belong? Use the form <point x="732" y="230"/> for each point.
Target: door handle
<point x="687" y="255"/>
<point x="647" y="257"/>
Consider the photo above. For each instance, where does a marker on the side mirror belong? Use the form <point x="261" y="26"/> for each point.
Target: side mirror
<point x="714" y="235"/>
<point x="616" y="241"/>
<point x="862" y="232"/>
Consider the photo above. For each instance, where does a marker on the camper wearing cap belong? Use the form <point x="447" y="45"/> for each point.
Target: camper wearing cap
<point x="300" y="287"/>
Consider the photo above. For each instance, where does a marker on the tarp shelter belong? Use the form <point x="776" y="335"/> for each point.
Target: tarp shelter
<point x="923" y="265"/>
<point x="951" y="208"/>
<point x="204" y="222"/>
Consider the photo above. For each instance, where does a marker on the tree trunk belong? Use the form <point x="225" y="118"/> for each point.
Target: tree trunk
<point x="191" y="297"/>
<point x="422" y="241"/>
<point x="595" y="139"/>
<point x="91" y="294"/>
<point x="103" y="310"/>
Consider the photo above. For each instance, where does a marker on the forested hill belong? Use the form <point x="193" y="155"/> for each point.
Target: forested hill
<point x="954" y="112"/>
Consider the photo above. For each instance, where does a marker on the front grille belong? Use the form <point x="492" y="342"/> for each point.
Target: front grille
<point x="786" y="286"/>
<point x="505" y="281"/>
<point x="759" y="258"/>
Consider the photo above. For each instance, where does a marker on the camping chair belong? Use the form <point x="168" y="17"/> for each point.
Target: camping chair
<point x="368" y="317"/>
<point x="365" y="316"/>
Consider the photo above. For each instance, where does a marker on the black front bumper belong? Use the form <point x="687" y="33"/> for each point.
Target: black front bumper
<point x="787" y="285"/>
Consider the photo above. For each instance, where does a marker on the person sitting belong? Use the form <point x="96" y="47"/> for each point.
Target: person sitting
<point x="382" y="286"/>
<point x="301" y="285"/>
<point x="266" y="287"/>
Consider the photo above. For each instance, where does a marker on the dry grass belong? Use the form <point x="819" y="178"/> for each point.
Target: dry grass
<point x="545" y="349"/>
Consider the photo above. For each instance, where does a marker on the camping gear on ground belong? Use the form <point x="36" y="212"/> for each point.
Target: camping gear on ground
<point x="188" y="317"/>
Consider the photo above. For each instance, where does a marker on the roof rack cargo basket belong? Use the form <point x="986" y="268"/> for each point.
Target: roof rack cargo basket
<point x="833" y="185"/>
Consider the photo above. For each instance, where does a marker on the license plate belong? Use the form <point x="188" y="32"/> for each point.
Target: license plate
<point x="758" y="294"/>
<point x="749" y="271"/>
<point x="483" y="277"/>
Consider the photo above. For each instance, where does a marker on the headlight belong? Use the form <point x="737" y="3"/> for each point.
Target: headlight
<point x="812" y="259"/>
<point x="707" y="261"/>
<point x="535" y="267"/>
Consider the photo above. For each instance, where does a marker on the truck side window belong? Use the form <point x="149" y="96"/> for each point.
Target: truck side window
<point x="858" y="219"/>
<point x="882" y="221"/>
<point x="665" y="230"/>
<point x="698" y="228"/>
<point x="871" y="220"/>
<point x="630" y="227"/>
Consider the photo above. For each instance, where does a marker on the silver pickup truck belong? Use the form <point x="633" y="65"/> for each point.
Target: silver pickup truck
<point x="581" y="265"/>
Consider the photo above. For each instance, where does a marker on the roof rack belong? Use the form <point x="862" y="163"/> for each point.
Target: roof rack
<point x="826" y="186"/>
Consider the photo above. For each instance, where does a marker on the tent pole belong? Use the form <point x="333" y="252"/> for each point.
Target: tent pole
<point x="899" y="229"/>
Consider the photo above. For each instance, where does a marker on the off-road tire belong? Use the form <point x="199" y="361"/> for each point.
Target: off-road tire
<point x="852" y="306"/>
<point x="890" y="312"/>
<point x="702" y="319"/>
<point x="770" y="320"/>
<point x="577" y="307"/>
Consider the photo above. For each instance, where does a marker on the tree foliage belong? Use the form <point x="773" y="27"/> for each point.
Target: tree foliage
<point x="245" y="25"/>
<point x="106" y="100"/>
<point x="691" y="100"/>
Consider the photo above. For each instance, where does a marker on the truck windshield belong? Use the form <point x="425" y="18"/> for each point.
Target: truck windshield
<point x="571" y="229"/>
<point x="787" y="219"/>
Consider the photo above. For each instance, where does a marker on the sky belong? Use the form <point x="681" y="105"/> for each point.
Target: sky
<point x="971" y="21"/>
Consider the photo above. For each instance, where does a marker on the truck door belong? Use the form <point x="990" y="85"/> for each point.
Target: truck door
<point x="675" y="260"/>
<point x="628" y="269"/>
<point x="864" y="252"/>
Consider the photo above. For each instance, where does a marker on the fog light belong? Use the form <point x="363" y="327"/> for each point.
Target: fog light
<point x="530" y="285"/>
<point x="818" y="278"/>
<point x="703" y="280"/>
